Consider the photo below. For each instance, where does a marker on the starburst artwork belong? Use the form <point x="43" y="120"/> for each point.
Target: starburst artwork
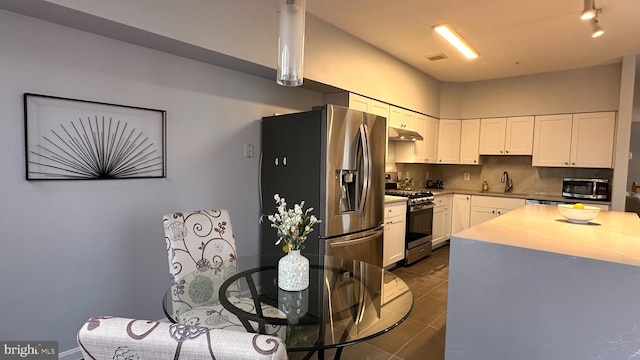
<point x="74" y="139"/>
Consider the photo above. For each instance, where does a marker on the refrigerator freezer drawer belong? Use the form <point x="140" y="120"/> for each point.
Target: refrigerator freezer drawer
<point x="364" y="246"/>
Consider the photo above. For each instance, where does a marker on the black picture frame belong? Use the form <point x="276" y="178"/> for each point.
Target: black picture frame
<point x="71" y="139"/>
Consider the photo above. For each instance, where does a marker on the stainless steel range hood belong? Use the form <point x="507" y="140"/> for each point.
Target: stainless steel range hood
<point x="397" y="134"/>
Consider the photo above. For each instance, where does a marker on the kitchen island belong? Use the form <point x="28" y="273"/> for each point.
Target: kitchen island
<point x="530" y="285"/>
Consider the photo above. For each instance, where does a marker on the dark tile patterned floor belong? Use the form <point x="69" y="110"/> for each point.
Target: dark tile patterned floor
<point x="421" y="336"/>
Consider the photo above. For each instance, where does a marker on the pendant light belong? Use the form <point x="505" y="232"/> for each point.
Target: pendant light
<point x="291" y="42"/>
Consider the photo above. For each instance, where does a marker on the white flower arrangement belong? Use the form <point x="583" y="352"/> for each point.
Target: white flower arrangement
<point x="293" y="224"/>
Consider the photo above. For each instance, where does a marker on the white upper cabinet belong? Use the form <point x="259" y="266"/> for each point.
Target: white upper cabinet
<point x="492" y="132"/>
<point x="507" y="136"/>
<point x="592" y="140"/>
<point x="430" y="140"/>
<point x="519" y="135"/>
<point x="401" y="118"/>
<point x="552" y="140"/>
<point x="579" y="140"/>
<point x="469" y="142"/>
<point x="359" y="102"/>
<point x="412" y="151"/>
<point x="449" y="141"/>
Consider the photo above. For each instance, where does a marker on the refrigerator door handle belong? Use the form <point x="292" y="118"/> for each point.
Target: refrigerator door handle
<point x="366" y="160"/>
<point x="356" y="241"/>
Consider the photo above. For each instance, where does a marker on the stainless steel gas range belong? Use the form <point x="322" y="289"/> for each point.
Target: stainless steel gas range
<point x="419" y="223"/>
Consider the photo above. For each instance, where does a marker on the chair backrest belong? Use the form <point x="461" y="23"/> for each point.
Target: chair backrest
<point x="108" y="337"/>
<point x="198" y="240"/>
<point x="202" y="251"/>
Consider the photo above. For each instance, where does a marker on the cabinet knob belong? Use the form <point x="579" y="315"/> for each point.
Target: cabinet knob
<point x="573" y="163"/>
<point x="507" y="151"/>
<point x="566" y="163"/>
<point x="501" y="151"/>
<point x="493" y="211"/>
<point x="440" y="160"/>
<point x="467" y="198"/>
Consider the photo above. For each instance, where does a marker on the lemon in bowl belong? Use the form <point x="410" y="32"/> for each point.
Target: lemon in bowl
<point x="578" y="213"/>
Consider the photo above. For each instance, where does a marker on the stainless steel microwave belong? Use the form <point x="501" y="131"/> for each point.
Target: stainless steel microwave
<point x="593" y="189"/>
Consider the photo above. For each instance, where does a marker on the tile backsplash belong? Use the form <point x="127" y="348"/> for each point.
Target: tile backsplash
<point x="526" y="178"/>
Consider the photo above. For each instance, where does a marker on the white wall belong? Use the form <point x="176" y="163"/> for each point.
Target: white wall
<point x="73" y="249"/>
<point x="579" y="90"/>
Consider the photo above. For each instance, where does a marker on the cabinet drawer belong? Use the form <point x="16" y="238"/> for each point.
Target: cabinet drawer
<point x="396" y="209"/>
<point x="442" y="200"/>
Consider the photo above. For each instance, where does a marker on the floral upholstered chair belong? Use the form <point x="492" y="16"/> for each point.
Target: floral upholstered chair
<point x="108" y="337"/>
<point x="202" y="255"/>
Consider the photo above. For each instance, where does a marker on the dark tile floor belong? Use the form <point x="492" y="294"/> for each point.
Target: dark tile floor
<point x="421" y="336"/>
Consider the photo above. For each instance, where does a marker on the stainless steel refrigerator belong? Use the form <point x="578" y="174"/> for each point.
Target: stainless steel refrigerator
<point x="332" y="158"/>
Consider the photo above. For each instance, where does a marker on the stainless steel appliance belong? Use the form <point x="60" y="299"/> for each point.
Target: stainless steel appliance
<point x="419" y="234"/>
<point x="333" y="159"/>
<point x="593" y="189"/>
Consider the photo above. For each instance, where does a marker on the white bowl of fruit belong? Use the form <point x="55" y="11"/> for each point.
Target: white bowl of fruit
<point x="578" y="213"/>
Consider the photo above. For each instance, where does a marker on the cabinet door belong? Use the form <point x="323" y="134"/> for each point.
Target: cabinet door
<point x="400" y="118"/>
<point x="592" y="138"/>
<point x="430" y="140"/>
<point x="461" y="213"/>
<point x="552" y="140"/>
<point x="358" y="102"/>
<point x="393" y="248"/>
<point x="379" y="108"/>
<point x="492" y="136"/>
<point x="447" y="218"/>
<point x="412" y="151"/>
<point x="449" y="142"/>
<point x="438" y="224"/>
<point x="469" y="141"/>
<point x="480" y="214"/>
<point x="419" y="124"/>
<point x="519" y="136"/>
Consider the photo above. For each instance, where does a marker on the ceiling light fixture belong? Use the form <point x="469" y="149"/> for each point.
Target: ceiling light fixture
<point x="291" y="42"/>
<point x="589" y="11"/>
<point x="597" y="29"/>
<point x="454" y="39"/>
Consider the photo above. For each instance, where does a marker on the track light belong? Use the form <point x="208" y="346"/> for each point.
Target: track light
<point x="589" y="11"/>
<point x="597" y="29"/>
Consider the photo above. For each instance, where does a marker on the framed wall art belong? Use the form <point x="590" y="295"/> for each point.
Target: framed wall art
<point x="68" y="139"/>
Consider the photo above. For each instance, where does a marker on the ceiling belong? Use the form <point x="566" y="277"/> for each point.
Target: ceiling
<point x="512" y="37"/>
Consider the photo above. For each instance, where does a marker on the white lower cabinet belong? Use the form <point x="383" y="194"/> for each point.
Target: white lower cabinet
<point x="442" y="219"/>
<point x="484" y="208"/>
<point x="394" y="232"/>
<point x="461" y="213"/>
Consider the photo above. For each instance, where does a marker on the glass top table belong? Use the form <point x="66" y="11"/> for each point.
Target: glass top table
<point x="345" y="302"/>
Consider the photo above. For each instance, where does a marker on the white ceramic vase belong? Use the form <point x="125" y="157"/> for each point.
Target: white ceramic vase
<point x="293" y="272"/>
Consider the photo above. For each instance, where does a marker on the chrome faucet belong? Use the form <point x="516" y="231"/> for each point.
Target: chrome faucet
<point x="508" y="183"/>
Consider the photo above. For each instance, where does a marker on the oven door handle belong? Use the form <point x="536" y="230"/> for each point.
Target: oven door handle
<point x="413" y="208"/>
<point x="356" y="241"/>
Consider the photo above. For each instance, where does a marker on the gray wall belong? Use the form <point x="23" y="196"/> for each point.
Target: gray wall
<point x="594" y="88"/>
<point x="73" y="249"/>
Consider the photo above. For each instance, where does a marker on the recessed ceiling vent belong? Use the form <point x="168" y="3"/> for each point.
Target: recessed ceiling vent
<point x="436" y="57"/>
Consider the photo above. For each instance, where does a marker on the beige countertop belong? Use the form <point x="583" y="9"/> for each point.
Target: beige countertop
<point x="611" y="236"/>
<point x="388" y="199"/>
